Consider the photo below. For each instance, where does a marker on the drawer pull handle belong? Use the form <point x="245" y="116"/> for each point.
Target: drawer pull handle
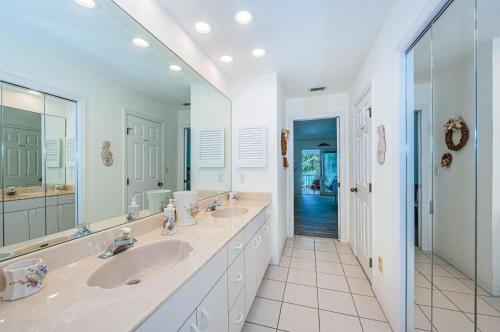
<point x="238" y="278"/>
<point x="239" y="320"/>
<point x="256" y="242"/>
<point x="194" y="328"/>
<point x="266" y="229"/>
<point x="238" y="246"/>
<point x="204" y="315"/>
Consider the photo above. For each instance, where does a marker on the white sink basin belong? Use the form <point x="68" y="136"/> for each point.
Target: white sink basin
<point x="229" y="212"/>
<point x="137" y="265"/>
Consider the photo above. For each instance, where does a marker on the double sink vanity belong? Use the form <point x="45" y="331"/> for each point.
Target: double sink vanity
<point x="203" y="278"/>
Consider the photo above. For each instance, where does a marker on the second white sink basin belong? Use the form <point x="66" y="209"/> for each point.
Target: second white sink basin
<point x="229" y="212"/>
<point x="136" y="265"/>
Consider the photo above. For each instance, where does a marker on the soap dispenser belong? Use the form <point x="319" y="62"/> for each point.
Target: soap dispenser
<point x="169" y="227"/>
<point x="133" y="209"/>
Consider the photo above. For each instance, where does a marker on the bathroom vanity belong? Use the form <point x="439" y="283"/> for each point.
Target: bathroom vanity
<point x="204" y="278"/>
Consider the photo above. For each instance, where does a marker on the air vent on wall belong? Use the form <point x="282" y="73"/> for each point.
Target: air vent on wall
<point x="211" y="147"/>
<point x="252" y="146"/>
<point x="319" y="88"/>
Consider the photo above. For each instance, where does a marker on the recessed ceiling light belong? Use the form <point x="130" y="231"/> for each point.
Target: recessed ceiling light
<point x="141" y="43"/>
<point x="226" y="59"/>
<point x="89" y="4"/>
<point x="202" y="27"/>
<point x="258" y="52"/>
<point x="175" y="68"/>
<point x="243" y="17"/>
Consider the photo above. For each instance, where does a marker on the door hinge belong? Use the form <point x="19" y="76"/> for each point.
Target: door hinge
<point x="369" y="112"/>
<point x="369" y="187"/>
<point x="370" y="262"/>
<point x="128" y="129"/>
<point x="128" y="181"/>
<point x="431" y="207"/>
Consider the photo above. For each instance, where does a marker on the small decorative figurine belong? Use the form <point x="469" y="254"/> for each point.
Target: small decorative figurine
<point x="106" y="155"/>
<point x="381" y="147"/>
<point x="285" y="136"/>
<point x="446" y="160"/>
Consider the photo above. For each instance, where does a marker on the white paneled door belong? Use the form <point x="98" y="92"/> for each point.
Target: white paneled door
<point x="144" y="158"/>
<point x="362" y="183"/>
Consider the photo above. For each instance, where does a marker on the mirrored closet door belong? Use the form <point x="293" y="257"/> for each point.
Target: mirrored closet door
<point x="453" y="216"/>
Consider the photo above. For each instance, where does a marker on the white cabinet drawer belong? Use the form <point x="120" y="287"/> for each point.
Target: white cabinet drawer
<point x="211" y="314"/>
<point x="66" y="199"/>
<point x="254" y="226"/>
<point x="237" y="314"/>
<point x="24" y="204"/>
<point x="235" y="279"/>
<point x="235" y="247"/>
<point x="190" y="324"/>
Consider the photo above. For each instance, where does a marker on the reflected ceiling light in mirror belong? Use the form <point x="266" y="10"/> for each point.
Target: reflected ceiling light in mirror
<point x="139" y="42"/>
<point x="226" y="59"/>
<point x="243" y="17"/>
<point x="34" y="93"/>
<point x="89" y="4"/>
<point x="175" y="68"/>
<point x="259" y="52"/>
<point x="202" y="27"/>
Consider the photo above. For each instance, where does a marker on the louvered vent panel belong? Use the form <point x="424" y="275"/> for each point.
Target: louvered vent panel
<point x="53" y="152"/>
<point x="211" y="145"/>
<point x="252" y="146"/>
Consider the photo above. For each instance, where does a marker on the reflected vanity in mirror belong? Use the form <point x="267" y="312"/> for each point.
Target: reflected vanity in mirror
<point x="100" y="124"/>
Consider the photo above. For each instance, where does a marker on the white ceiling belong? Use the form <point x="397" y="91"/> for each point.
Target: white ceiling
<point x="308" y="43"/>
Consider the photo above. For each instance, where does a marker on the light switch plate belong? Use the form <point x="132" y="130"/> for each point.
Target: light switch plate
<point x="380" y="264"/>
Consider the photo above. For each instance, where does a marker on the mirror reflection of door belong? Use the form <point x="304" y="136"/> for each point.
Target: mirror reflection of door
<point x="187" y="159"/>
<point x="144" y="159"/>
<point x="329" y="176"/>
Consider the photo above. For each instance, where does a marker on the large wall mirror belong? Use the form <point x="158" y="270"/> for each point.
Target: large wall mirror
<point x="100" y="124"/>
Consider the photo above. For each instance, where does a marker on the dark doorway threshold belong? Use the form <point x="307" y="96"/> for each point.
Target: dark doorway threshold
<point x="316" y="215"/>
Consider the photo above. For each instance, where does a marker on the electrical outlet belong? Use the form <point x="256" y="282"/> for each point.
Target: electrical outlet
<point x="242" y="178"/>
<point x="381" y="264"/>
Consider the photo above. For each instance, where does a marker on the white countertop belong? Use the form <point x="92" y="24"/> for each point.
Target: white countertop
<point x="67" y="303"/>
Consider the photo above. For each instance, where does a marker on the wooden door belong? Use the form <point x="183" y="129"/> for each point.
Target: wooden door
<point x="144" y="158"/>
<point x="363" y="183"/>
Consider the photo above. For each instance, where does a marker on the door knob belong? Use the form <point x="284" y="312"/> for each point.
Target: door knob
<point x="160" y="184"/>
<point x="354" y="189"/>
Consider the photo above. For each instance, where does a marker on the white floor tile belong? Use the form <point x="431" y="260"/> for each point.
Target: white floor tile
<point x="287" y="251"/>
<point x="276" y="273"/>
<point x="451" y="284"/>
<point x="374" y="326"/>
<point x="303" y="253"/>
<point x="326" y="247"/>
<point x="324" y="240"/>
<point x="344" y="250"/>
<point x="289" y="243"/>
<point x="360" y="286"/>
<point x="494" y="301"/>
<point x="421" y="281"/>
<point x="334" y="322"/>
<point x="302" y="277"/>
<point x="332" y="268"/>
<point x="304" y="245"/>
<point x="368" y="307"/>
<point x="454" y="272"/>
<point x="423" y="297"/>
<point x="303" y="264"/>
<point x="451" y="321"/>
<point x="336" y="301"/>
<point x="271" y="289"/>
<point x="465" y="302"/>
<point x="285" y="261"/>
<point x="296" y="318"/>
<point x="437" y="270"/>
<point x="264" y="312"/>
<point x="333" y="282"/>
<point x="420" y="320"/>
<point x="354" y="271"/>
<point x="301" y="295"/>
<point x="348" y="259"/>
<point x="249" y="327"/>
<point x="488" y="323"/>
<point x="327" y="257"/>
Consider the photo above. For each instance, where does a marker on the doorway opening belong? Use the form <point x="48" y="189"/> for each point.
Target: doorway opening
<point x="316" y="177"/>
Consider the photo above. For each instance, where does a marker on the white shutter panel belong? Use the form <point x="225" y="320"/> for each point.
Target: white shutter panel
<point x="211" y="147"/>
<point x="252" y="146"/>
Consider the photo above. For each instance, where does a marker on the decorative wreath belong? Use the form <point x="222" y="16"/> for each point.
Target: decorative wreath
<point x="451" y="125"/>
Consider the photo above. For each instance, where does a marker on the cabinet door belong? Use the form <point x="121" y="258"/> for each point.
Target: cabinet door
<point x="212" y="313"/>
<point x="264" y="251"/>
<point x="190" y="324"/>
<point x="251" y="252"/>
<point x="16" y="227"/>
<point x="66" y="216"/>
<point x="36" y="218"/>
<point x="52" y="225"/>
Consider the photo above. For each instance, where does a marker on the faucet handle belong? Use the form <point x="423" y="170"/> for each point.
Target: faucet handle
<point x="125" y="232"/>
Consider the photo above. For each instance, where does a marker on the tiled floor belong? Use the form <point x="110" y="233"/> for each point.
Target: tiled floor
<point x="453" y="299"/>
<point x="319" y="286"/>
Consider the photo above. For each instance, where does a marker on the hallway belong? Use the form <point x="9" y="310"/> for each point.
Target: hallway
<point x="319" y="286"/>
<point x="316" y="215"/>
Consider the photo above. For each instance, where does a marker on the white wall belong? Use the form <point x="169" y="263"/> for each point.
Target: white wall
<point x="156" y="18"/>
<point x="384" y="67"/>
<point x="258" y="100"/>
<point x="317" y="107"/>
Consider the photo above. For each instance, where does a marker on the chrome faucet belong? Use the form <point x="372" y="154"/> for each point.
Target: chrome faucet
<point x="213" y="205"/>
<point x="121" y="243"/>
